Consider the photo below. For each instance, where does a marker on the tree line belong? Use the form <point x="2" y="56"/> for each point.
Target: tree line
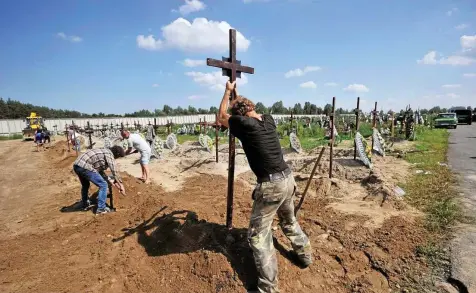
<point x="12" y="109"/>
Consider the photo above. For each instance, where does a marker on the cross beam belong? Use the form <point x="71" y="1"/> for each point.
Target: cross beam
<point x="233" y="69"/>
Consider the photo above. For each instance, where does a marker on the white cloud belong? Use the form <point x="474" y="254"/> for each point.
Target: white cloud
<point x="301" y="72"/>
<point x="451" y="86"/>
<point x="331" y="84"/>
<point x="308" y="85"/>
<point x="451" y="11"/>
<point x="468" y="42"/>
<point x="453" y="96"/>
<point x="356" y="88"/>
<point x="461" y="26"/>
<point x="191" y="6"/>
<point x="214" y="80"/>
<point x="72" y="39"/>
<point x="469" y="75"/>
<point x="201" y="35"/>
<point x="155" y="85"/>
<point x="193" y="63"/>
<point x="195" y="97"/>
<point x="431" y="59"/>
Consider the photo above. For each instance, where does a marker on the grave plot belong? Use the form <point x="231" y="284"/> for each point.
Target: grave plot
<point x="173" y="236"/>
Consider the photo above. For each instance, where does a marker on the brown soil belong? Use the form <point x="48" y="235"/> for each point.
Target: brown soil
<point x="164" y="239"/>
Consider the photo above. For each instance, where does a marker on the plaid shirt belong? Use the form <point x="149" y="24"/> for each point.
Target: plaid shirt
<point x="98" y="160"/>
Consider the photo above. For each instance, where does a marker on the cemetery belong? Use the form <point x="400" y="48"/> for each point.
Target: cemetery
<point x="359" y="198"/>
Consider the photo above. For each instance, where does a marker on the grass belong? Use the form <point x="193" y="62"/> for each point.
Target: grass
<point x="433" y="193"/>
<point x="307" y="143"/>
<point x="11" y="136"/>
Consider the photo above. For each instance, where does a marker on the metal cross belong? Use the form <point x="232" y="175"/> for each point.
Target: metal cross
<point x="231" y="68"/>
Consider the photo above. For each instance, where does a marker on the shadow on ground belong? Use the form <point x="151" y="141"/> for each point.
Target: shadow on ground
<point x="182" y="232"/>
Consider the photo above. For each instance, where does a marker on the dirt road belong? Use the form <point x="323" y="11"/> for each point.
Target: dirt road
<point x="174" y="241"/>
<point x="462" y="158"/>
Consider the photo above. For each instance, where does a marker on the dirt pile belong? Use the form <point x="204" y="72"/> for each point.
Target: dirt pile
<point x="174" y="241"/>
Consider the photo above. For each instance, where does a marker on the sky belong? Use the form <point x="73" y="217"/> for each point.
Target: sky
<point x="118" y="56"/>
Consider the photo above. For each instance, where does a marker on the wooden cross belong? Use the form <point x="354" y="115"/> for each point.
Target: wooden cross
<point x="233" y="69"/>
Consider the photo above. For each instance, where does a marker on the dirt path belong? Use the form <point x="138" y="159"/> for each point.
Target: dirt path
<point x="174" y="241"/>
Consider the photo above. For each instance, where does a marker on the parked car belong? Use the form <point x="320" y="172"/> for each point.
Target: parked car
<point x="464" y="116"/>
<point x="446" y="120"/>
<point x="474" y="116"/>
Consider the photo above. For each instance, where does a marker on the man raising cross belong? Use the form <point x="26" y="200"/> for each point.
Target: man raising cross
<point x="274" y="192"/>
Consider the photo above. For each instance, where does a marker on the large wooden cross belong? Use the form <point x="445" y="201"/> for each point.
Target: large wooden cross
<point x="233" y="69"/>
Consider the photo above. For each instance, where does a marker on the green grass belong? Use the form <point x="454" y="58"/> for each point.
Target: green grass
<point x="307" y="143"/>
<point x="11" y="136"/>
<point x="433" y="193"/>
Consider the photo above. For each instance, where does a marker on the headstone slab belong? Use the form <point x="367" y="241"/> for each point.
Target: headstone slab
<point x="359" y="142"/>
<point x="295" y="143"/>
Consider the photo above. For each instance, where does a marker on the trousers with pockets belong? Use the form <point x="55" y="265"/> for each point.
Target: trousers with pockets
<point x="271" y="198"/>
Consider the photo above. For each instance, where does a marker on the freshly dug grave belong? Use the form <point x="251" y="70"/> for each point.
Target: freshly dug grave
<point x="160" y="241"/>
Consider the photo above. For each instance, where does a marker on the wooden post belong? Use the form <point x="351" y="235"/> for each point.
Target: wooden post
<point x="357" y="113"/>
<point x="309" y="181"/>
<point x="393" y="124"/>
<point x="374" y="122"/>
<point x="66" y="133"/>
<point x="200" y="126"/>
<point x="331" y="155"/>
<point x="74" y="138"/>
<point x="216" y="136"/>
<point x="292" y="122"/>
<point x="231" y="68"/>
<point x="205" y="125"/>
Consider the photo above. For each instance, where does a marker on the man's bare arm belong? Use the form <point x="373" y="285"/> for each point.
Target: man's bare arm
<point x="224" y="116"/>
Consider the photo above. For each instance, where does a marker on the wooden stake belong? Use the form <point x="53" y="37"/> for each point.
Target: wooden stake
<point x="216" y="136"/>
<point x="331" y="155"/>
<point x="309" y="181"/>
<point x="357" y="122"/>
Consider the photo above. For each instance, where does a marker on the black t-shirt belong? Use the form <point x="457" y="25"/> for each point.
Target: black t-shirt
<point x="260" y="143"/>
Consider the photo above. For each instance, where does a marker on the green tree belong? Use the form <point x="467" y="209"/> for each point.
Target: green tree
<point x="167" y="110"/>
<point x="327" y="109"/>
<point x="213" y="109"/>
<point x="297" y="109"/>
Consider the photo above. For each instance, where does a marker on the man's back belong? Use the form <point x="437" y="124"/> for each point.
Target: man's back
<point x="136" y="141"/>
<point x="260" y="143"/>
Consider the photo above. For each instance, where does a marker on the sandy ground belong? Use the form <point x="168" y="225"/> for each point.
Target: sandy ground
<point x="169" y="236"/>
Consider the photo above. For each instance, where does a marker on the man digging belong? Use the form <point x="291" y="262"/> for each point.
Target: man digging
<point x="90" y="167"/>
<point x="274" y="192"/>
<point x="136" y="141"/>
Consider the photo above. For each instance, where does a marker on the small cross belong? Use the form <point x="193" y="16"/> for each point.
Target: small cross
<point x="230" y="66"/>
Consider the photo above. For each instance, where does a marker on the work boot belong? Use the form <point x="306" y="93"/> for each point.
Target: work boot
<point x="84" y="206"/>
<point x="103" y="211"/>
<point x="305" y="260"/>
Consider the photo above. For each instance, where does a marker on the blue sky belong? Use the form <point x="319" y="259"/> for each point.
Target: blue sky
<point x="121" y="56"/>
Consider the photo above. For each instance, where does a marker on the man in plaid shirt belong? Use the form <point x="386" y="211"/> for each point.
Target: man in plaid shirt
<point x="90" y="167"/>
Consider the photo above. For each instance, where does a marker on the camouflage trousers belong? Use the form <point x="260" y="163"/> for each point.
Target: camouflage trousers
<point x="271" y="198"/>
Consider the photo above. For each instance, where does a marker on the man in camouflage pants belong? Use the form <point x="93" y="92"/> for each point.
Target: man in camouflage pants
<point x="274" y="193"/>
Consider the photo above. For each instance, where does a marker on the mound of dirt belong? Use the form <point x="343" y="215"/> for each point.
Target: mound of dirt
<point x="176" y="240"/>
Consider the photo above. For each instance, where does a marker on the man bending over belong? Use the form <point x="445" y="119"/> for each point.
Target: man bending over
<point x="274" y="192"/>
<point x="90" y="167"/>
<point x="136" y="141"/>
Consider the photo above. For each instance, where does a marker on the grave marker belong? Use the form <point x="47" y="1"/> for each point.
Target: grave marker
<point x="231" y="68"/>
